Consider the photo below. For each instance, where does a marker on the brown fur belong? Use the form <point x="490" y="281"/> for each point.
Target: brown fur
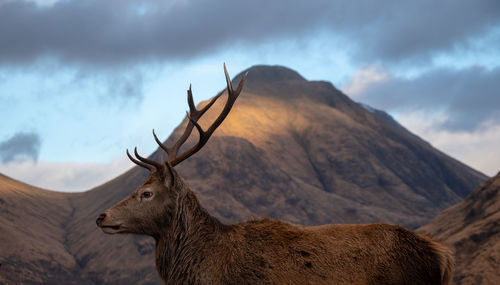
<point x="192" y="247"/>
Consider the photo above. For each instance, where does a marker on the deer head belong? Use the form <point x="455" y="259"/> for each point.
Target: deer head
<point x="151" y="207"/>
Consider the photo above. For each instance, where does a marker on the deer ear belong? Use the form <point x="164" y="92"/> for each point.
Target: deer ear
<point x="169" y="174"/>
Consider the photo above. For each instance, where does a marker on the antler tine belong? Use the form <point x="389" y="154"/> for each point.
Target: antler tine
<point x="198" y="113"/>
<point x="195" y="123"/>
<point x="157" y="165"/>
<point x="140" y="163"/>
<point x="242" y="82"/>
<point x="205" y="135"/>
<point x="228" y="80"/>
<point x="192" y="108"/>
<point x="164" y="147"/>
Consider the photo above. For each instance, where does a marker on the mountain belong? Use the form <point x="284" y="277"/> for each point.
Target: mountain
<point x="292" y="149"/>
<point x="472" y="227"/>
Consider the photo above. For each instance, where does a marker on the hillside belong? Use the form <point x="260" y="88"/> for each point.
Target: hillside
<point x="472" y="227"/>
<point x="33" y="244"/>
<point x="292" y="149"/>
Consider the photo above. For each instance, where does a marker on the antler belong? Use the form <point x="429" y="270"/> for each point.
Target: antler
<point x="194" y="115"/>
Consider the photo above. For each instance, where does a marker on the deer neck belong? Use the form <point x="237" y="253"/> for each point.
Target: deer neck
<point x="192" y="233"/>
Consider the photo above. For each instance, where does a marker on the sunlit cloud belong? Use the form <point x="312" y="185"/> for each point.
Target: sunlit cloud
<point x="66" y="176"/>
<point x="478" y="148"/>
<point x="363" y="79"/>
<point x="455" y="110"/>
<point x="469" y="96"/>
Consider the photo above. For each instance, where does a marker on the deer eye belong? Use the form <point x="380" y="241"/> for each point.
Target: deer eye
<point x="147" y="194"/>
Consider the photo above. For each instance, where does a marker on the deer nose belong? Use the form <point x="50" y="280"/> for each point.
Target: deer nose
<point x="100" y="219"/>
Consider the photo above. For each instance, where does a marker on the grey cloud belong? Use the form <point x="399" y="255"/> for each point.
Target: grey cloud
<point x="415" y="29"/>
<point x="104" y="32"/>
<point x="21" y="145"/>
<point x="126" y="83"/>
<point x="116" y="32"/>
<point x="469" y="96"/>
<point x="128" y="86"/>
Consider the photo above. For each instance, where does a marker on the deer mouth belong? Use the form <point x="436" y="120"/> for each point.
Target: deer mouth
<point x="111" y="229"/>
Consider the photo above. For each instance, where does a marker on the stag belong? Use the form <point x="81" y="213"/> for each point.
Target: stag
<point x="193" y="247"/>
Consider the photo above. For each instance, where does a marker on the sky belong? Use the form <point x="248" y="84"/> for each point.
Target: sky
<point x="81" y="81"/>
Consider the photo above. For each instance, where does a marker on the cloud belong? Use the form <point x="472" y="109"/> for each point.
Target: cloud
<point x="120" y="32"/>
<point x="66" y="176"/>
<point x="455" y="110"/>
<point x="127" y="83"/>
<point x="363" y="79"/>
<point x="478" y="148"/>
<point x="21" y="146"/>
<point x="468" y="96"/>
<point x="398" y="30"/>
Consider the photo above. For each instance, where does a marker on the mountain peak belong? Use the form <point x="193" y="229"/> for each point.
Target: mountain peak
<point x="269" y="73"/>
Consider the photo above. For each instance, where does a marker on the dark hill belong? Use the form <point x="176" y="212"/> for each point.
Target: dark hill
<point x="472" y="227"/>
<point x="292" y="149"/>
<point x="33" y="235"/>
